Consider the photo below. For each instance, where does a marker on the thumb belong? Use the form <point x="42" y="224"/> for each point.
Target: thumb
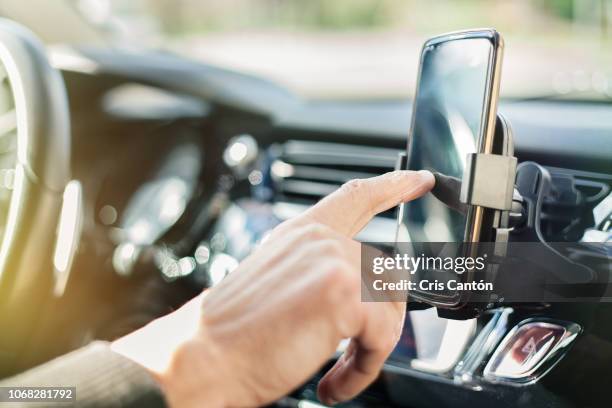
<point x="352" y="206"/>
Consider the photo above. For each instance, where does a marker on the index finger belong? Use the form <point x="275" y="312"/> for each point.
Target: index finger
<point x="352" y="206"/>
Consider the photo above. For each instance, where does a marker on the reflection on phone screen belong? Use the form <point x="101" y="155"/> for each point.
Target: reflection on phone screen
<point x="446" y="127"/>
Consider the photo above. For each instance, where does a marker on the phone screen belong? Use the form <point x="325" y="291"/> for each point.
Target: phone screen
<point x="448" y="121"/>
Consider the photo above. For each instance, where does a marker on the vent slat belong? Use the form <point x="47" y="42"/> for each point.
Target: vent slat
<point x="337" y="154"/>
<point x="326" y="174"/>
<point x="305" y="171"/>
<point x="308" y="188"/>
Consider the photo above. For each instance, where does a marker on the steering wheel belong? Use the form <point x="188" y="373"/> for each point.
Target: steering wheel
<point x="34" y="174"/>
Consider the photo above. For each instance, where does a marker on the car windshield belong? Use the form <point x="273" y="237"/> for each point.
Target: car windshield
<point x="370" y="48"/>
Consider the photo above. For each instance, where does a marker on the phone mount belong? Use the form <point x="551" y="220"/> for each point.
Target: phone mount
<point x="510" y="198"/>
<point x="488" y="182"/>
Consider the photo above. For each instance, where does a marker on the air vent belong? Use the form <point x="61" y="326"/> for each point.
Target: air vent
<point x="299" y="173"/>
<point x="568" y="207"/>
<point x="305" y="171"/>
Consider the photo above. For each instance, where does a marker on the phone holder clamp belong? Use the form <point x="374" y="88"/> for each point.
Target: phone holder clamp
<point x="488" y="181"/>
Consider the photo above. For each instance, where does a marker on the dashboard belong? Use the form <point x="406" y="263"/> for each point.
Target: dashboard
<point x="223" y="157"/>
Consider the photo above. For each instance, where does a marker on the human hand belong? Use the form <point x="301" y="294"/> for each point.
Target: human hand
<point x="280" y="315"/>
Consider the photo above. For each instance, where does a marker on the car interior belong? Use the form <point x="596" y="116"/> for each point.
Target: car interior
<point x="134" y="177"/>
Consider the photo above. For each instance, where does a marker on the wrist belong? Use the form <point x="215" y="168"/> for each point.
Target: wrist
<point x="173" y="350"/>
<point x="191" y="379"/>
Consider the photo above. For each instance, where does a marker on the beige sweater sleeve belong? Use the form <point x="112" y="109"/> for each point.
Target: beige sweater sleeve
<point x="102" y="379"/>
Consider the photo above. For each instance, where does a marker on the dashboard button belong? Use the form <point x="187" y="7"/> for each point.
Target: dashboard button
<point x="529" y="351"/>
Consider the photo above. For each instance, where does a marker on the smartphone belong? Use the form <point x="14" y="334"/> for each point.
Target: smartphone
<point x="454" y="114"/>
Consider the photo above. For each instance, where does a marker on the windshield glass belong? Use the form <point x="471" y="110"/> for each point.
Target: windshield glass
<point x="370" y="48"/>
